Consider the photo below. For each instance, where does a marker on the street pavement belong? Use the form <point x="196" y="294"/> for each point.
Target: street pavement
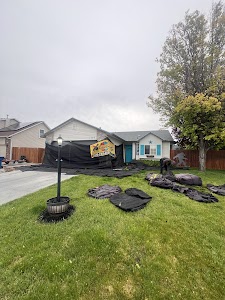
<point x="16" y="184"/>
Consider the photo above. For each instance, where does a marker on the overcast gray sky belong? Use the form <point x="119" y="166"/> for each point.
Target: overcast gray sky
<point x="93" y="60"/>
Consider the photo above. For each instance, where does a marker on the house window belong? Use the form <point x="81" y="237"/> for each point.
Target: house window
<point x="150" y="150"/>
<point x="153" y="150"/>
<point x="41" y="133"/>
<point x="147" y="149"/>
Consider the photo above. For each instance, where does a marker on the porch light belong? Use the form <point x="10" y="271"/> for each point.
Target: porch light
<point x="59" y="140"/>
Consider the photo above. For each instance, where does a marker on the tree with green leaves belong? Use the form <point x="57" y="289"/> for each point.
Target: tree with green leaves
<point x="201" y="119"/>
<point x="192" y="62"/>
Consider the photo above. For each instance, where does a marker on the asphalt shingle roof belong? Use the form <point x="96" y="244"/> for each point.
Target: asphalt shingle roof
<point x="132" y="136"/>
<point x="12" y="129"/>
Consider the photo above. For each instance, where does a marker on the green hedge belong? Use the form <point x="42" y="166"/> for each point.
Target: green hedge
<point x="151" y="163"/>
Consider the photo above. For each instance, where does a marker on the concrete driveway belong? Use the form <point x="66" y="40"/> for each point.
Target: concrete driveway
<point x="16" y="184"/>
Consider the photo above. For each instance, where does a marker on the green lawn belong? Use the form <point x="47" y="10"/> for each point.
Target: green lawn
<point x="172" y="249"/>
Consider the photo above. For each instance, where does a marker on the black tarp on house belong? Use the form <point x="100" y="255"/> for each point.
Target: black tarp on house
<point x="77" y="155"/>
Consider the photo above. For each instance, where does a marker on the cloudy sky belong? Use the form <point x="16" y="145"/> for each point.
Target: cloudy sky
<point x="93" y="60"/>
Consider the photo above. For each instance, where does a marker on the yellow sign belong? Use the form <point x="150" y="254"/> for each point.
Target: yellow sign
<point x="102" y="148"/>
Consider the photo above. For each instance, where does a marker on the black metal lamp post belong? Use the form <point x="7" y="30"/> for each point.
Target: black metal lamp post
<point x="58" y="208"/>
<point x="59" y="140"/>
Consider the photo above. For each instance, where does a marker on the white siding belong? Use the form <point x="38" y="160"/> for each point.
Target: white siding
<point x="49" y="138"/>
<point x="101" y="135"/>
<point x="30" y="138"/>
<point x="115" y="141"/>
<point x="2" y="141"/>
<point x="150" y="137"/>
<point x="166" y="149"/>
<point x="75" y="131"/>
<point x="154" y="142"/>
<point x="2" y="147"/>
<point x="133" y="150"/>
<point x="2" y="151"/>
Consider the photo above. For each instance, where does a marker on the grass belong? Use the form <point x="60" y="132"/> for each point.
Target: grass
<point x="172" y="249"/>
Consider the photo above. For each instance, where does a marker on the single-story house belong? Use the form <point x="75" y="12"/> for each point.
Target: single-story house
<point x="15" y="135"/>
<point x="135" y="145"/>
<point x="153" y="144"/>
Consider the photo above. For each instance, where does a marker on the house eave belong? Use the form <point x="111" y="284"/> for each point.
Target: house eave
<point x="74" y="119"/>
<point x="24" y="129"/>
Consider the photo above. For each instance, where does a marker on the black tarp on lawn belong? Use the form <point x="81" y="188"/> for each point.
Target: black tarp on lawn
<point x="77" y="155"/>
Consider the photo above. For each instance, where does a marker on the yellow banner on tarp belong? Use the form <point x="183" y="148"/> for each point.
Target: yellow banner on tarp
<point x="102" y="148"/>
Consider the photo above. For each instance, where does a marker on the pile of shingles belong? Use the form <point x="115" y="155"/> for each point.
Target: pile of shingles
<point x="217" y="189"/>
<point x="131" y="200"/>
<point x="104" y="191"/>
<point x="163" y="181"/>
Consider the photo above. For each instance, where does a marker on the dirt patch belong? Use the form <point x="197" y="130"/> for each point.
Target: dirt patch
<point x="129" y="288"/>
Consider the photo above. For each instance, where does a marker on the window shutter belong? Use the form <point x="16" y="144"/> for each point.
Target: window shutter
<point x="158" y="150"/>
<point x="142" y="149"/>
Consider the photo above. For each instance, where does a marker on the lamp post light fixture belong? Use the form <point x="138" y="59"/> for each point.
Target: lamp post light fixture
<point x="59" y="140"/>
<point x="58" y="207"/>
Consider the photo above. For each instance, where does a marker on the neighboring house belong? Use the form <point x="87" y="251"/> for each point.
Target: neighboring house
<point x="153" y="144"/>
<point x="15" y="135"/>
<point x="136" y="145"/>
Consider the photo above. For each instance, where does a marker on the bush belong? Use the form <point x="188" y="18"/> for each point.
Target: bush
<point x="151" y="163"/>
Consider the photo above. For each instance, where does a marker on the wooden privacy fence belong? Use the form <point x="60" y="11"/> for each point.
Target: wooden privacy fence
<point x="215" y="160"/>
<point x="33" y="155"/>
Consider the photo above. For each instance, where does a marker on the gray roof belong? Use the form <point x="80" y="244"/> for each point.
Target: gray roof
<point x="132" y="136"/>
<point x="128" y="136"/>
<point x="17" y="127"/>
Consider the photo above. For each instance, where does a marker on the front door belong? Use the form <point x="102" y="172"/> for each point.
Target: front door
<point x="128" y="153"/>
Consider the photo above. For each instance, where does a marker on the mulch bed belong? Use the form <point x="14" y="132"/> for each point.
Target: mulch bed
<point x="53" y="218"/>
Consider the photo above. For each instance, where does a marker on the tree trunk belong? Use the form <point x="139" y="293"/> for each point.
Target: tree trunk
<point x="202" y="155"/>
